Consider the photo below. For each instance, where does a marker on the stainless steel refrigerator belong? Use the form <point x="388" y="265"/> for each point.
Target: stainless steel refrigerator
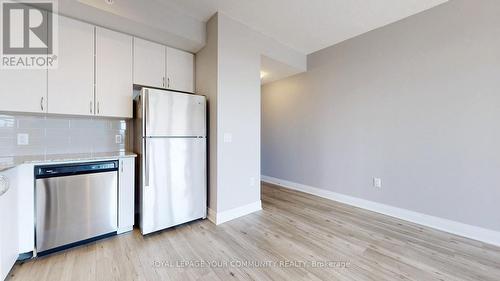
<point x="170" y="130"/>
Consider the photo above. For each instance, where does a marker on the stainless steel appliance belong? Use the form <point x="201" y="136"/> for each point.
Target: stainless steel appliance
<point x="170" y="130"/>
<point x="74" y="203"/>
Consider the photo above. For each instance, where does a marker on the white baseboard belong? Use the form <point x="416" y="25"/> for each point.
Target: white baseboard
<point x="225" y="216"/>
<point x="124" y="229"/>
<point x="469" y="231"/>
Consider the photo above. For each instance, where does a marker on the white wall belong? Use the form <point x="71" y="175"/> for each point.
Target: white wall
<point x="228" y="73"/>
<point x="416" y="103"/>
<point x="239" y="115"/>
<point x="206" y="84"/>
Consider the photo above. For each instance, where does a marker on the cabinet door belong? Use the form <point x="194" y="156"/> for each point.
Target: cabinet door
<point x="126" y="195"/>
<point x="149" y="63"/>
<point x="71" y="84"/>
<point x="114" y="85"/>
<point x="8" y="221"/>
<point x="23" y="90"/>
<point x="26" y="207"/>
<point x="180" y="70"/>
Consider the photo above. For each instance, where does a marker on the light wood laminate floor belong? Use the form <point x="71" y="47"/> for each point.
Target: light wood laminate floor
<point x="294" y="227"/>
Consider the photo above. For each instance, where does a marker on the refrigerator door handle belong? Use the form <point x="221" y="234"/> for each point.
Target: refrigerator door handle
<point x="145" y="125"/>
<point x="146" y="166"/>
<point x="145" y="102"/>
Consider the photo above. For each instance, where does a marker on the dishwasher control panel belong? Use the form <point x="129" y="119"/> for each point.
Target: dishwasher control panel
<point x="75" y="168"/>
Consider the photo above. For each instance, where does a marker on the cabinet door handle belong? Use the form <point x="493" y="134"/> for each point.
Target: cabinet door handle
<point x="41" y="104"/>
<point x="98" y="108"/>
<point x="163" y="82"/>
<point x="121" y="166"/>
<point x="168" y="83"/>
<point x="91" y="107"/>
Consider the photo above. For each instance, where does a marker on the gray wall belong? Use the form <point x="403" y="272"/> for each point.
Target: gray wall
<point x="61" y="135"/>
<point x="416" y="103"/>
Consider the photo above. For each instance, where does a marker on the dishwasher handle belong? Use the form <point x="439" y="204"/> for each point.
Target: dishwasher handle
<point x="75" y="169"/>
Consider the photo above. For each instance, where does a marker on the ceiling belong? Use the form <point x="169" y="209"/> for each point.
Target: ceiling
<point x="304" y="25"/>
<point x="308" y="25"/>
<point x="272" y="70"/>
<point x="155" y="20"/>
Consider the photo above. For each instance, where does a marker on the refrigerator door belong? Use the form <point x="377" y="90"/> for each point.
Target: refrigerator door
<point x="172" y="114"/>
<point x="174" y="189"/>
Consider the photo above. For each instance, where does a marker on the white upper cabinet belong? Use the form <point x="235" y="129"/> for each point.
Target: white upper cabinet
<point x="114" y="72"/>
<point x="149" y="63"/>
<point x="71" y="84"/>
<point x="180" y="70"/>
<point x="159" y="66"/>
<point x="23" y="90"/>
<point x="95" y="73"/>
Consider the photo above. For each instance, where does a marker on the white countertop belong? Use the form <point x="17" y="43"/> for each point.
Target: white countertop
<point x="13" y="161"/>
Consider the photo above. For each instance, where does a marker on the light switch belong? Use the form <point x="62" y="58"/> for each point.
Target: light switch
<point x="377" y="182"/>
<point x="118" y="139"/>
<point x="23" y="139"/>
<point x="252" y="181"/>
<point x="228" y="137"/>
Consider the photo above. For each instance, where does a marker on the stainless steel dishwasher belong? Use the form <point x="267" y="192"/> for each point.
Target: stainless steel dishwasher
<point x="75" y="203"/>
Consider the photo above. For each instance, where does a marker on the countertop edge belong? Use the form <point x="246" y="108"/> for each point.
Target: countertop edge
<point x="7" y="167"/>
<point x="60" y="159"/>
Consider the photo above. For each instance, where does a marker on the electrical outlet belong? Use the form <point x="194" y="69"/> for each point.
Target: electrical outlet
<point x="377" y="182"/>
<point x="118" y="138"/>
<point x="23" y="139"/>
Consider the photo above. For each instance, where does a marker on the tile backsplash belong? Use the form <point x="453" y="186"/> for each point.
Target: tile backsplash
<point x="61" y="135"/>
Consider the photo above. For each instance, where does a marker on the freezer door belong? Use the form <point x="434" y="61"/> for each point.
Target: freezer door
<point x="174" y="189"/>
<point x="172" y="114"/>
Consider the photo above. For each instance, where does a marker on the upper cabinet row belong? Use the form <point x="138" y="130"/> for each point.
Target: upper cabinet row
<point x="93" y="76"/>
<point x="96" y="71"/>
<point x="162" y="67"/>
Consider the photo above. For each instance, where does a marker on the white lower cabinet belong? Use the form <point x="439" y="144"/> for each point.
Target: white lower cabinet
<point x="126" y="185"/>
<point x="9" y="251"/>
<point x="26" y="207"/>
